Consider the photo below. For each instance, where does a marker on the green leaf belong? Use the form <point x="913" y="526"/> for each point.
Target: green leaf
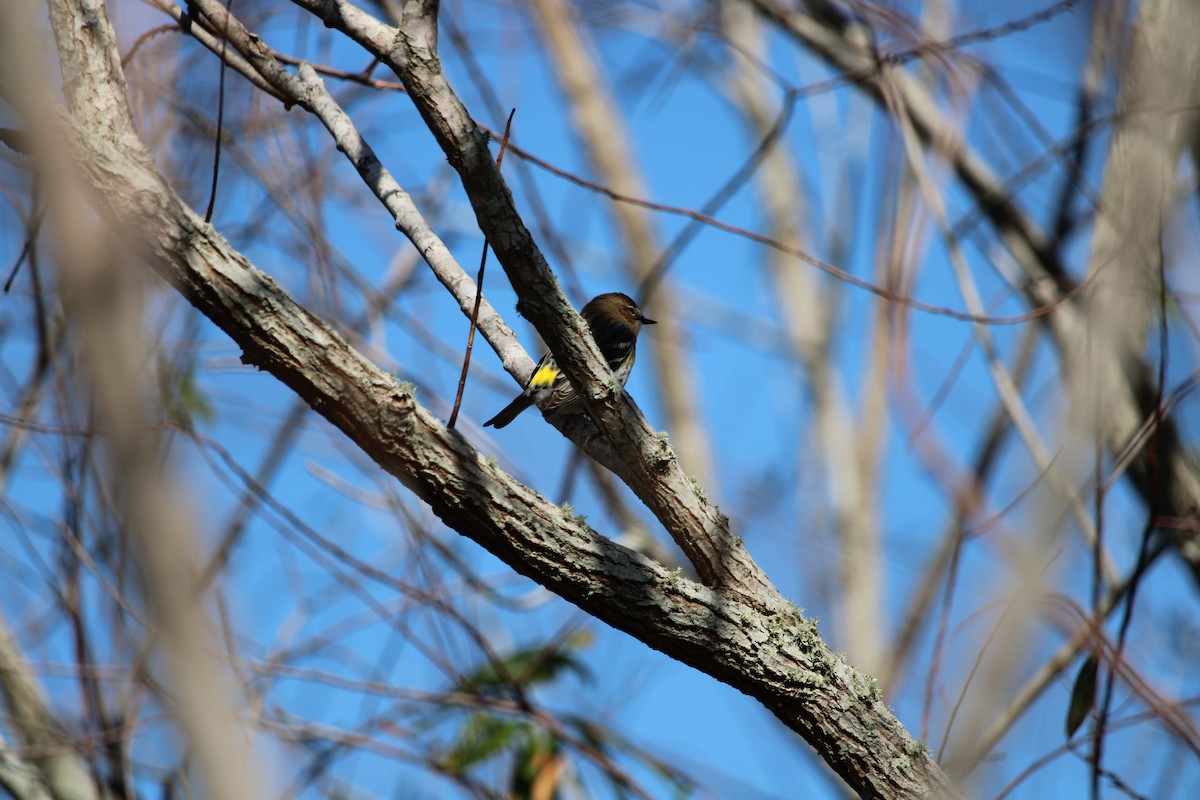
<point x="482" y="738"/>
<point x="180" y="393"/>
<point x="531" y="666"/>
<point x="1083" y="695"/>
<point x="537" y="771"/>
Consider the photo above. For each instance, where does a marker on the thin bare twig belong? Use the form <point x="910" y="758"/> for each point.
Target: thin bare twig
<point x="462" y="379"/>
<point x="216" y="170"/>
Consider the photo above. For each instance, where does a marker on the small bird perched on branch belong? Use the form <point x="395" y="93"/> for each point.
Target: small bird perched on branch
<point x="615" y="321"/>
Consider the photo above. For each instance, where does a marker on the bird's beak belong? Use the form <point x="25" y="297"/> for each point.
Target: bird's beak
<point x="646" y="321"/>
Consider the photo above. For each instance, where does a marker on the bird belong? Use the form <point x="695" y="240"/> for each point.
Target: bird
<point x="615" y="321"/>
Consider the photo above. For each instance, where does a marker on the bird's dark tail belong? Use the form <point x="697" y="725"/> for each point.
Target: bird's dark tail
<point x="510" y="411"/>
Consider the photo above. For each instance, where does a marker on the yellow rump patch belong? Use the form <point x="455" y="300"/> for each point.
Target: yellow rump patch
<point x="543" y="377"/>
